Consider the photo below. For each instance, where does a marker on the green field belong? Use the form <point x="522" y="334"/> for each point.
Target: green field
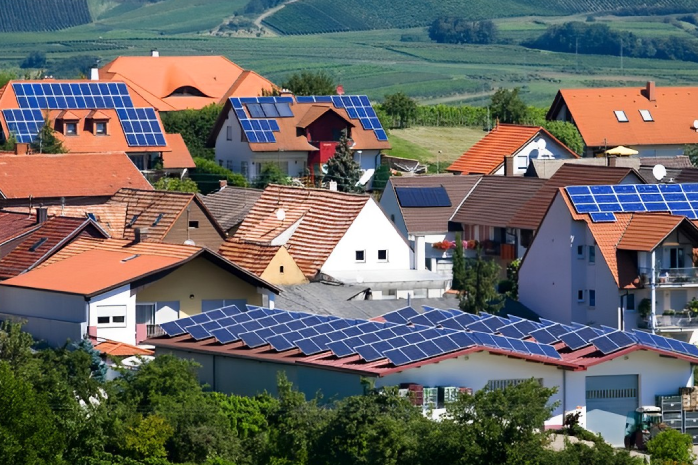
<point x="432" y="144"/>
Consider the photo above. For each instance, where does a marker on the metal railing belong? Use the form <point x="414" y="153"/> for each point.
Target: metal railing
<point x="670" y="276"/>
<point x="678" y="320"/>
<point x="154" y="331"/>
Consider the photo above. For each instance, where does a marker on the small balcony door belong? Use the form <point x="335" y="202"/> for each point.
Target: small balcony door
<point x="145" y="314"/>
<point x="676" y="257"/>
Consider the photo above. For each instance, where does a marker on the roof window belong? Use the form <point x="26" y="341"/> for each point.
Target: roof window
<point x="128" y="259"/>
<point x="133" y="220"/>
<point x="157" y="220"/>
<point x="620" y="116"/>
<point x="38" y="244"/>
<point x="646" y="116"/>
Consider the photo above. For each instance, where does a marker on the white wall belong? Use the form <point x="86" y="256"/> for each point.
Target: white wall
<point x="371" y="231"/>
<point x="102" y="304"/>
<point x="532" y="150"/>
<point x="391" y="207"/>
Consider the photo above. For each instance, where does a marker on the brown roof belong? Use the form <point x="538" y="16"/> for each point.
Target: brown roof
<point x="679" y="161"/>
<point x="67" y="175"/>
<point x="433" y="219"/>
<point x="110" y="217"/>
<point x="495" y="200"/>
<point x="44" y="241"/>
<point x="13" y="225"/>
<point x="592" y="110"/>
<point x="533" y="212"/>
<point x="249" y="255"/>
<point x="179" y="157"/>
<point x="231" y="204"/>
<point x="505" y="140"/>
<point x="156" y="210"/>
<point x="323" y="216"/>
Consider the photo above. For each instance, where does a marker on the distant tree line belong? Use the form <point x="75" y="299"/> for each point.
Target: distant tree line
<point x="602" y="40"/>
<point x="452" y="30"/>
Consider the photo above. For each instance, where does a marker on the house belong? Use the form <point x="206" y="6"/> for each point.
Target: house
<point x="66" y="179"/>
<point x="167" y="216"/>
<point x="421" y="207"/>
<point x="50" y="236"/>
<point x="174" y="83"/>
<point x="603" y="374"/>
<point x="334" y="236"/>
<point x="90" y="116"/>
<point x="508" y="149"/>
<point x="299" y="134"/>
<point x="230" y="205"/>
<point x="14" y="227"/>
<point x="611" y="256"/>
<point x="654" y="121"/>
<point x="121" y="290"/>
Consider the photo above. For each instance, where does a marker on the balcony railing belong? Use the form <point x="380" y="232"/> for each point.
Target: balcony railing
<point x="678" y="320"/>
<point x="154" y="331"/>
<point x="670" y="276"/>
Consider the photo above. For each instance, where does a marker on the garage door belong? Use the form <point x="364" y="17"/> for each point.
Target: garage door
<point x="609" y="399"/>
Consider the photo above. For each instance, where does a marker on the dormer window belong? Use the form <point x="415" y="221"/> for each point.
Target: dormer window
<point x="100" y="128"/>
<point x="620" y="116"/>
<point x="70" y="128"/>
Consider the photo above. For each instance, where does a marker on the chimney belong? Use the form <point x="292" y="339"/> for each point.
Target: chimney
<point x="21" y="148"/>
<point x="154" y="53"/>
<point x="223" y="183"/>
<point x="612" y="160"/>
<point x="651" y="91"/>
<point x="140" y="235"/>
<point x="94" y="74"/>
<point x="333" y="186"/>
<point x="508" y="166"/>
<point x="41" y="215"/>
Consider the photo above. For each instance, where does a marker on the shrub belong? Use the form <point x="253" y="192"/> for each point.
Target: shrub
<point x="671" y="446"/>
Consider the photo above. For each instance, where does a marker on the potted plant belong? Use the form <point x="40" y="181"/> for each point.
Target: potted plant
<point x="669" y="312"/>
<point x="645" y="308"/>
<point x="692" y="306"/>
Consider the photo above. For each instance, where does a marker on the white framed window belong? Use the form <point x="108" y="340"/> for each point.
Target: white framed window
<point x="522" y="162"/>
<point x="382" y="255"/>
<point x="592" y="298"/>
<point x="229" y="133"/>
<point x="592" y="254"/>
<point x="111" y="316"/>
<point x="580" y="251"/>
<point x="100" y="128"/>
<point x="580" y="295"/>
<point x="71" y="129"/>
<point x="621" y="116"/>
<point x="646" y="116"/>
<point x="360" y="256"/>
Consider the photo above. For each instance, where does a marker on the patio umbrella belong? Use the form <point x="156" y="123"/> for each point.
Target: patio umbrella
<point x="621" y="151"/>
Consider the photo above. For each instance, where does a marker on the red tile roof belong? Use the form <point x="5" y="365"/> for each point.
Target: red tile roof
<point x="121" y="349"/>
<point x="179" y="157"/>
<point x="110" y="217"/>
<point x="592" y="110"/>
<point x="14" y="225"/>
<point x="323" y="218"/>
<point x="249" y="255"/>
<point x="505" y="140"/>
<point x="67" y="175"/>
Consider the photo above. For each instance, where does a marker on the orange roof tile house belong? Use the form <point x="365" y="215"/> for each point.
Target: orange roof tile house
<point x="594" y="261"/>
<point x="508" y="149"/>
<point x="172" y="83"/>
<point x="655" y="121"/>
<point x="299" y="134"/>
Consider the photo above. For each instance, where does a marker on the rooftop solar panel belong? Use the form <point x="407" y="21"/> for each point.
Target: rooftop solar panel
<point x="573" y="341"/>
<point x="401" y="316"/>
<point x="172" y="328"/>
<point x="543" y="336"/>
<point x="605" y="345"/>
<point x="198" y="332"/>
<point x="410" y="197"/>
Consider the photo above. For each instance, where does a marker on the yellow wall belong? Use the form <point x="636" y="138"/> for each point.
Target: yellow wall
<point x="205" y="281"/>
<point x="291" y="275"/>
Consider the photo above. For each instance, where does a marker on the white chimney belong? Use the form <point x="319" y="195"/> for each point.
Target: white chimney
<point x="333" y="185"/>
<point x="94" y="74"/>
<point x="154" y="53"/>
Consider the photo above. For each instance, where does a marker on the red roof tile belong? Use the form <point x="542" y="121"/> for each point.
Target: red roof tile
<point x="254" y="257"/>
<point x="13" y="225"/>
<point x="179" y="157"/>
<point x="121" y="349"/>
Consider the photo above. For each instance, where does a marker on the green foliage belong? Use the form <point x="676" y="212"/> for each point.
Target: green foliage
<point x="208" y="173"/>
<point x="400" y="107"/>
<point x="195" y="126"/>
<point x="581" y="454"/>
<point x="513" y="277"/>
<point x="567" y="133"/>
<point x="6" y="76"/>
<point x="270" y="174"/>
<point x="452" y="30"/>
<point x="35" y="59"/>
<point x="176" y="184"/>
<point x="507" y="106"/>
<point x="148" y="438"/>
<point x="342" y="167"/>
<point x="258" y="6"/>
<point x="644" y="308"/>
<point x="671" y="446"/>
<point x="481" y="278"/>
<point x="98" y="369"/>
<point x="691" y="151"/>
<point x="310" y="83"/>
<point x="46" y="15"/>
<point x="459" y="274"/>
<point x="46" y="140"/>
<point x="77" y="66"/>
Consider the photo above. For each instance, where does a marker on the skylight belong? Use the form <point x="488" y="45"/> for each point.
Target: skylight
<point x="646" y="116"/>
<point x="38" y="244"/>
<point x="620" y="116"/>
<point x="157" y="220"/>
<point x="133" y="220"/>
<point x="128" y="259"/>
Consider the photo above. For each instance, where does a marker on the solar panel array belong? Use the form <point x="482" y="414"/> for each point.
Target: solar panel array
<point x="258" y="115"/>
<point x="141" y="126"/>
<point x="357" y="107"/>
<point x="602" y="202"/>
<point x="423" y="197"/>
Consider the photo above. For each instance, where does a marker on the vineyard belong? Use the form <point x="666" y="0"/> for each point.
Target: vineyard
<point x="321" y="16"/>
<point x="42" y="15"/>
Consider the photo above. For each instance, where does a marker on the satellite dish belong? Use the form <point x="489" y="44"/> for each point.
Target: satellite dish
<point x="280" y="214"/>
<point x="659" y="172"/>
<point x="695" y="124"/>
<point x="189" y="242"/>
<point x="324" y="168"/>
<point x="542" y="144"/>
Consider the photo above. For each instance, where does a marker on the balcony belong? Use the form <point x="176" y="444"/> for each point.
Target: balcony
<point x="154" y="331"/>
<point x="680" y="320"/>
<point x="670" y="277"/>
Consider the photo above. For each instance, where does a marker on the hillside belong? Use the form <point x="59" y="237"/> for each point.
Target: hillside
<point x="42" y="15"/>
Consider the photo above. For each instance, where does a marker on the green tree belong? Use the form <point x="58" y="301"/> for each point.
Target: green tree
<point x="400" y="107"/>
<point x="310" y="83"/>
<point x="35" y="59"/>
<point x="46" y="140"/>
<point x="459" y="273"/>
<point x="270" y="174"/>
<point x="567" y="133"/>
<point x="691" y="151"/>
<point x="195" y="126"/>
<point x="507" y="106"/>
<point x="481" y="278"/>
<point x="210" y="167"/>
<point x="176" y="184"/>
<point x="342" y="168"/>
<point x="6" y="76"/>
<point x="147" y="439"/>
<point x="671" y="447"/>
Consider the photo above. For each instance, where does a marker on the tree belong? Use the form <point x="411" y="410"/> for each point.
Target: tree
<point x="567" y="133"/>
<point x="481" y="278"/>
<point x="34" y="60"/>
<point x="46" y="140"/>
<point x="176" y="184"/>
<point x="691" y="151"/>
<point x="270" y="174"/>
<point x="451" y="30"/>
<point x="342" y="168"/>
<point x="399" y="106"/>
<point x="507" y="106"/>
<point x="310" y="83"/>
<point x="195" y="126"/>
<point x="206" y="168"/>
<point x="671" y="447"/>
<point x="458" y="282"/>
<point x="6" y="76"/>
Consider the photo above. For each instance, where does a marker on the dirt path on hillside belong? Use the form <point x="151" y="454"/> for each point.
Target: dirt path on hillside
<point x="263" y="16"/>
<point x="455" y="98"/>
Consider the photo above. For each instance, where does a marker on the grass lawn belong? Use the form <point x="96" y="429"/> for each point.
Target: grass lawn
<point x="429" y="144"/>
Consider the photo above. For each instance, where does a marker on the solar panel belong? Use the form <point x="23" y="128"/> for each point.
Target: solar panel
<point x="141" y="127"/>
<point x="369" y="352"/>
<point x="483" y="339"/>
<point x="280" y="343"/>
<point x="526" y="327"/>
<point x="543" y="336"/>
<point x="494" y="322"/>
<point x="223" y="336"/>
<point x="198" y="332"/>
<point x="401" y="316"/>
<point x="621" y="339"/>
<point x="573" y="341"/>
<point x="397" y="357"/>
<point x="605" y="345"/>
<point x="550" y="351"/>
<point x="172" y="328"/>
<point x="422" y="197"/>
<point x="510" y="331"/>
<point x="200" y="318"/>
<point x="25" y="124"/>
<point x="660" y="342"/>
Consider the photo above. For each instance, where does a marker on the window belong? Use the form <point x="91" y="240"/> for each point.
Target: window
<point x="580" y="295"/>
<point x="100" y="128"/>
<point x="229" y="164"/>
<point x="630" y="302"/>
<point x="360" y="255"/>
<point x="592" y="298"/>
<point x="102" y="320"/>
<point x="382" y="255"/>
<point x="220" y="162"/>
<point x="620" y="116"/>
<point x="229" y="133"/>
<point x="111" y="316"/>
<point x="522" y="162"/>
<point x="676" y="259"/>
<point x="580" y="251"/>
<point x="244" y="167"/>
<point x="193" y="224"/>
<point x="646" y="116"/>
<point x="392" y="218"/>
<point x="592" y="254"/>
<point x="71" y="129"/>
<point x="505" y="383"/>
<point x="281" y="269"/>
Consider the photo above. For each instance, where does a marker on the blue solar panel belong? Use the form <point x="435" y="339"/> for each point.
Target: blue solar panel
<point x="401" y="316"/>
<point x="621" y="339"/>
<point x="429" y="348"/>
<point x="660" y="342"/>
<point x="550" y="351"/>
<point x="172" y="328"/>
<point x="200" y="318"/>
<point x="369" y="352"/>
<point x="280" y="343"/>
<point x="198" y="332"/>
<point x="23" y="124"/>
<point x="308" y="347"/>
<point x="602" y="217"/>
<point x="410" y="197"/>
<point x="605" y="345"/>
<point x="543" y="336"/>
<point x="397" y="357"/>
<point x="518" y="346"/>
<point x="573" y="341"/>
<point x="511" y="331"/>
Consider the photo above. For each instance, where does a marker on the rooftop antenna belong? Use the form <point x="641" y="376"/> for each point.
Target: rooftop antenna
<point x="659" y="172"/>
